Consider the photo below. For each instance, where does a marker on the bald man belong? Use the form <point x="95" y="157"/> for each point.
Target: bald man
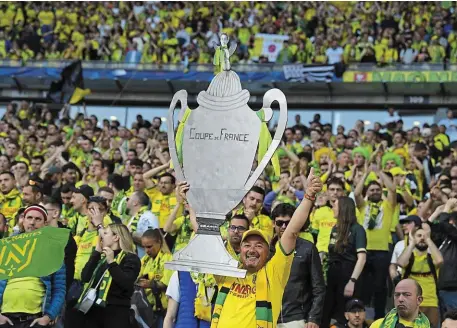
<point x="407" y="300"/>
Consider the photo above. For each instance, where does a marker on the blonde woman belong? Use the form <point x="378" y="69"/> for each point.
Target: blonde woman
<point x="112" y="271"/>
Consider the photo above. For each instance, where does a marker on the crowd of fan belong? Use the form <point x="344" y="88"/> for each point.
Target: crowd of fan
<point x="387" y="211"/>
<point x="186" y="32"/>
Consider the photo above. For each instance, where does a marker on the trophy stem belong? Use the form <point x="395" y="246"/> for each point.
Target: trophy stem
<point x="206" y="253"/>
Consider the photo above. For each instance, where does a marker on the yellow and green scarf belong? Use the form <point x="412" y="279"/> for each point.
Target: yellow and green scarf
<point x="205" y="290"/>
<point x="105" y="284"/>
<point x="263" y="311"/>
<point x="391" y="320"/>
<point x="374" y="209"/>
<point x="134" y="223"/>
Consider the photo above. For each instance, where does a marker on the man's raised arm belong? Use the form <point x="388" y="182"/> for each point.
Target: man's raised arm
<point x="290" y="235"/>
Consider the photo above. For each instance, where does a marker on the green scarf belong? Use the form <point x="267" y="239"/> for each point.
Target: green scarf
<point x="391" y="320"/>
<point x="133" y="224"/>
<point x="263" y="312"/>
<point x="105" y="284"/>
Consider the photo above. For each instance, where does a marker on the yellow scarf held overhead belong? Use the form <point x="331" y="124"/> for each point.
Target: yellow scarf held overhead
<point x="265" y="142"/>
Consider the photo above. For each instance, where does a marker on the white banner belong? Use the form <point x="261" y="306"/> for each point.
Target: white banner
<point x="269" y="45"/>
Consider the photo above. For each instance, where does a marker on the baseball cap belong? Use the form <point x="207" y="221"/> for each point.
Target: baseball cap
<point x="256" y="232"/>
<point x="84" y="190"/>
<point x="54" y="170"/>
<point x="354" y="304"/>
<point x="411" y="218"/>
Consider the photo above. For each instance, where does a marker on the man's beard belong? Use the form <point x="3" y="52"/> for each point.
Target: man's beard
<point x="375" y="198"/>
<point x="127" y="211"/>
<point x="422" y="247"/>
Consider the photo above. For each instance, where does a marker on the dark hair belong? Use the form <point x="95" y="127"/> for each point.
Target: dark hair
<point x="9" y="173"/>
<point x="286" y="171"/>
<point x="166" y="174"/>
<point x="335" y="181"/>
<point x="153" y="234"/>
<point x="370" y="184"/>
<point x="346" y="218"/>
<point x="109" y="165"/>
<point x="283" y="209"/>
<point x="106" y="189"/>
<point x="3" y="218"/>
<point x="305" y="155"/>
<point x="117" y="181"/>
<point x="133" y="151"/>
<point x="66" y="188"/>
<point x="136" y="162"/>
<point x="241" y="217"/>
<point x="420" y="146"/>
<point x="257" y="190"/>
<point x="143" y="199"/>
<point x="98" y="200"/>
<point x="69" y="166"/>
<point x="33" y="137"/>
<point x="451" y="314"/>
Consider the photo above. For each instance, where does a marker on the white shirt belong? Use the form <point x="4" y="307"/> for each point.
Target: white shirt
<point x="146" y="221"/>
<point x="173" y="287"/>
<point x="399" y="248"/>
<point x="334" y="55"/>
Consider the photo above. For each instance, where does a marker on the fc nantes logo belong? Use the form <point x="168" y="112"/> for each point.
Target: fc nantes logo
<point x="16" y="255"/>
<point x="33" y="254"/>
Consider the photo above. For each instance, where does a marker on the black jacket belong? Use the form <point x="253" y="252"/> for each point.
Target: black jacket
<point x="69" y="260"/>
<point x="447" y="279"/>
<point x="124" y="276"/>
<point x="305" y="291"/>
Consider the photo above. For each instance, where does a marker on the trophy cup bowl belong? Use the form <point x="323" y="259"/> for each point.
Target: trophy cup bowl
<point x="219" y="144"/>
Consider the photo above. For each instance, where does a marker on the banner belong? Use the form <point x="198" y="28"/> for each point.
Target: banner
<point x="268" y="45"/>
<point x="309" y="73"/>
<point x="400" y="76"/>
<point x="33" y="254"/>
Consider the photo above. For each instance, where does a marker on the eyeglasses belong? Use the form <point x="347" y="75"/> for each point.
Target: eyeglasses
<point x="239" y="228"/>
<point x="280" y="223"/>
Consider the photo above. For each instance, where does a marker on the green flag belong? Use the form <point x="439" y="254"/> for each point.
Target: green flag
<point x="33" y="254"/>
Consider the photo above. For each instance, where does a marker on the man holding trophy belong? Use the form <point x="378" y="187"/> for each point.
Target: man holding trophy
<point x="225" y="128"/>
<point x="255" y="301"/>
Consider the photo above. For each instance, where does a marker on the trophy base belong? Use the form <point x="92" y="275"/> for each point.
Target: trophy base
<point x="206" y="254"/>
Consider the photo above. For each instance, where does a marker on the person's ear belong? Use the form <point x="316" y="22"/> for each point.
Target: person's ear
<point x="346" y="316"/>
<point x="420" y="299"/>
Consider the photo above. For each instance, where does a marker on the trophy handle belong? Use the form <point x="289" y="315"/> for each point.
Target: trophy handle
<point x="268" y="98"/>
<point x="180" y="96"/>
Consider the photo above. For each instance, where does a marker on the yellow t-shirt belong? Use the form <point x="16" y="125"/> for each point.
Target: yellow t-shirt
<point x="377" y="323"/>
<point x="23" y="295"/>
<point x="240" y="305"/>
<point x="323" y="220"/>
<point x="155" y="270"/>
<point x="86" y="245"/>
<point x="379" y="237"/>
<point x="422" y="274"/>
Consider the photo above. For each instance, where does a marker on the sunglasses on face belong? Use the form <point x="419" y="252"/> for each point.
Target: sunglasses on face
<point x="280" y="223"/>
<point x="239" y="228"/>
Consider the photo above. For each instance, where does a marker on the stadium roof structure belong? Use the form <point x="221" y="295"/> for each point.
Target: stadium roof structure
<point x="153" y="85"/>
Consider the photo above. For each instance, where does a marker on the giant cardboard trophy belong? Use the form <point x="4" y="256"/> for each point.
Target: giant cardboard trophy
<point x="219" y="145"/>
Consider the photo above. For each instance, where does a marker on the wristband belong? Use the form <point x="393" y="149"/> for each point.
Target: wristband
<point x="308" y="197"/>
<point x="100" y="226"/>
<point x="353" y="280"/>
